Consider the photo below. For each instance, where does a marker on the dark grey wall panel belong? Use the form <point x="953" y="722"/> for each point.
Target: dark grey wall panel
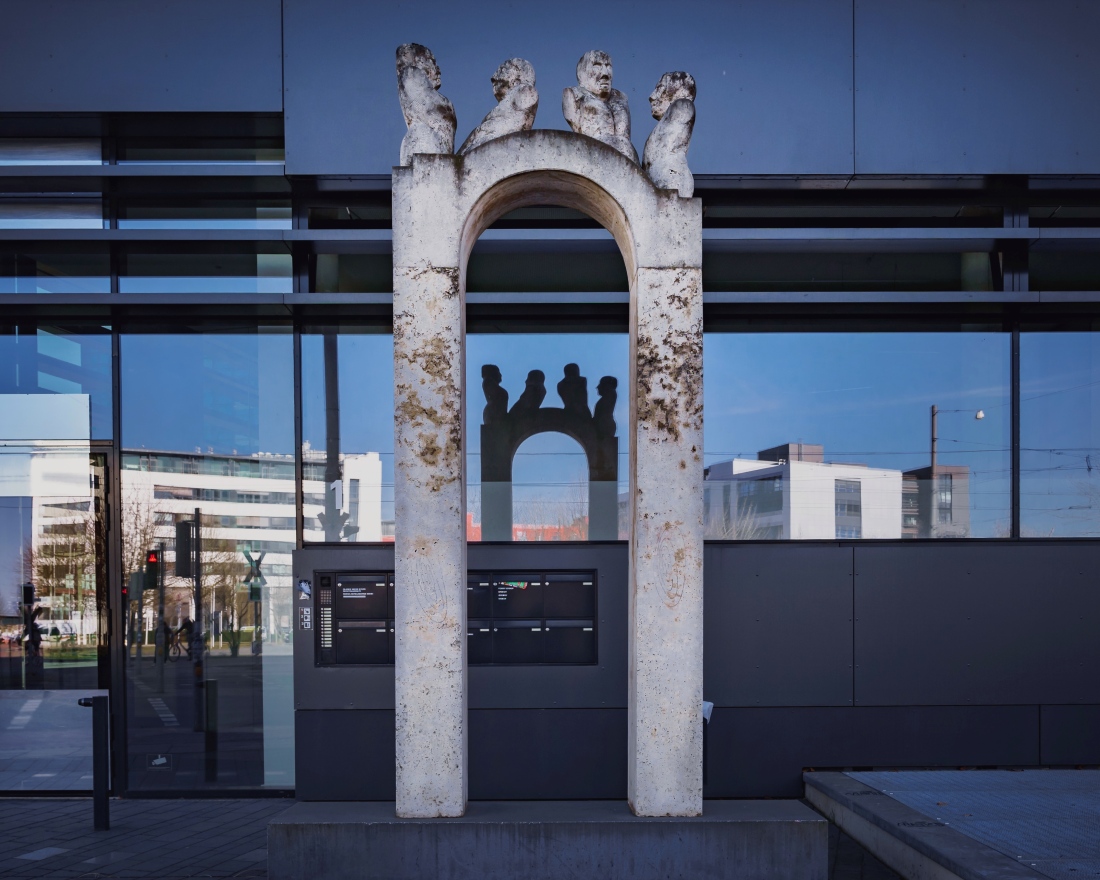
<point x="134" y="55"/>
<point x="1070" y="735"/>
<point x="345" y="756"/>
<point x="982" y="87"/>
<point x="977" y="623"/>
<point x="535" y="754"/>
<point x="778" y="625"/>
<point x="774" y="79"/>
<point x="762" y="752"/>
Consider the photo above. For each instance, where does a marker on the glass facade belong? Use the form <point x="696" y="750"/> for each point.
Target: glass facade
<point x="546" y="457"/>
<point x="347" y="434"/>
<point x="208" y="439"/>
<point x="161" y="459"/>
<point x="856" y="435"/>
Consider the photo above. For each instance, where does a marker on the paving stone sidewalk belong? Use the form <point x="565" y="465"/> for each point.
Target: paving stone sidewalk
<point x="166" y="839"/>
<point x="162" y="839"/>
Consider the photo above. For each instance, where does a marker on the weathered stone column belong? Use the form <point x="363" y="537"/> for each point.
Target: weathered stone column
<point x="665" y="772"/>
<point x="429" y="492"/>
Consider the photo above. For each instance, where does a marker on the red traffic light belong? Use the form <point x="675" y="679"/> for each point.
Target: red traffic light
<point x="153" y="558"/>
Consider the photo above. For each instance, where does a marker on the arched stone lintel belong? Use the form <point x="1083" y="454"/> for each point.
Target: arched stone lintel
<point x="441" y="204"/>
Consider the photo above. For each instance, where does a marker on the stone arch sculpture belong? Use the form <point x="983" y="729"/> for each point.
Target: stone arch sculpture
<point x="441" y="204"/>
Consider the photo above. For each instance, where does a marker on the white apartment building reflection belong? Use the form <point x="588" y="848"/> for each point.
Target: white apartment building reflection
<point x="248" y="506"/>
<point x="790" y="492"/>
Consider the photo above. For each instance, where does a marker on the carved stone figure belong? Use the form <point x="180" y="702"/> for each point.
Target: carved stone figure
<point x="429" y="116"/>
<point x="665" y="155"/>
<point x="573" y="391"/>
<point x="496" y="398"/>
<point x="604" y="416"/>
<point x="533" y="394"/>
<point x="595" y="109"/>
<point x="518" y="101"/>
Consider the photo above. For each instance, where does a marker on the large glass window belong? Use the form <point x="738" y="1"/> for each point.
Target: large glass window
<point x="857" y="435"/>
<point x="261" y="269"/>
<point x="207" y="434"/>
<point x="1059" y="434"/>
<point x="51" y="213"/>
<point x="347" y="433"/>
<point x="55" y="398"/>
<point x="547" y="435"/>
<point x="206" y="214"/>
<point x="48" y="270"/>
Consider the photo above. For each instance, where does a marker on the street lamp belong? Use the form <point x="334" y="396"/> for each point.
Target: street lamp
<point x="979" y="415"/>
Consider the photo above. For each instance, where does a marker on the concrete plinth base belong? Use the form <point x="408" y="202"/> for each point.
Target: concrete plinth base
<point x="749" y="840"/>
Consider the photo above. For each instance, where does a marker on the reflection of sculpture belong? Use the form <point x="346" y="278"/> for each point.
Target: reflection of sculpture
<point x="573" y="391"/>
<point x="518" y="101"/>
<point x="665" y="155"/>
<point x="533" y="394"/>
<point x="429" y="116"/>
<point x="496" y="398"/>
<point x="605" y="407"/>
<point x="595" y="109"/>
<point x="502" y="433"/>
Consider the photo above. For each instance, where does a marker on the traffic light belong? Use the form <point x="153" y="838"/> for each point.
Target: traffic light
<point x="152" y="570"/>
<point x="185" y="550"/>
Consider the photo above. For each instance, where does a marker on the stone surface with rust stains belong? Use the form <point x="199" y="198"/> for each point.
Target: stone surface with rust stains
<point x="430" y="506"/>
<point x="441" y="204"/>
<point x="666" y="644"/>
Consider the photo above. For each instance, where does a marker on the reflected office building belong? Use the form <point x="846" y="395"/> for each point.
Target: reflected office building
<point x="790" y="492"/>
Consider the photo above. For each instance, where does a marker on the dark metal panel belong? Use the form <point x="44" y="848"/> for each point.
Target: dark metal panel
<point x="336" y="687"/>
<point x="762" y="752"/>
<point x="977" y="623"/>
<point x="774" y="79"/>
<point x="536" y="754"/>
<point x="134" y="56"/>
<point x="1070" y="735"/>
<point x="367" y="687"/>
<point x="778" y="625"/>
<point x="983" y="87"/>
<point x="345" y="756"/>
<point x="603" y="685"/>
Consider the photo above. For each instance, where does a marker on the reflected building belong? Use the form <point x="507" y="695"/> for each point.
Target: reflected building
<point x="248" y="505"/>
<point x="791" y="493"/>
<point x="936" y="504"/>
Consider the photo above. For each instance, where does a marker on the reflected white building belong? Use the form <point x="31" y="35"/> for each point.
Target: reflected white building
<point x="790" y="492"/>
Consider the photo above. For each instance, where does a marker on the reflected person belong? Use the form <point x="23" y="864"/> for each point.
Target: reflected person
<point x="594" y="108"/>
<point x="517" y="103"/>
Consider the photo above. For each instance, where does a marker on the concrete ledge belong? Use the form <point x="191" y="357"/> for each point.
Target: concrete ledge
<point x="913" y="844"/>
<point x="749" y="840"/>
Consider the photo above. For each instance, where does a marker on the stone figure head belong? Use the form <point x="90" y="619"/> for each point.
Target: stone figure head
<point x="572" y="370"/>
<point x="513" y="72"/>
<point x="421" y="57"/>
<point x="491" y="373"/>
<point x="594" y="73"/>
<point x="671" y="87"/>
<point x="607" y="385"/>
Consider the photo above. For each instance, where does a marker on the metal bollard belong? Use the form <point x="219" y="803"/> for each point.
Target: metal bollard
<point x="211" y="688"/>
<point x="100" y="760"/>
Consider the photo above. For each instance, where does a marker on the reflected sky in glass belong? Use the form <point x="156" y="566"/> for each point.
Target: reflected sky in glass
<point x="1059" y="434"/>
<point x="866" y="397"/>
<point x="216" y="393"/>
